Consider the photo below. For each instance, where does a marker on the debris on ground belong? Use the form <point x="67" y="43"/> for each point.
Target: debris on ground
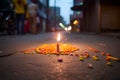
<point x="90" y="65"/>
<point x="109" y="63"/>
<point x="67" y="49"/>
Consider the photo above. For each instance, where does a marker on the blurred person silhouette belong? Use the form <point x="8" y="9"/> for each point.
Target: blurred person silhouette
<point x="33" y="16"/>
<point x="6" y="17"/>
<point x="27" y="23"/>
<point x="20" y="11"/>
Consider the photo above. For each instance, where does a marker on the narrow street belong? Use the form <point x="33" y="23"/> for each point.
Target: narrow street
<point x="15" y="65"/>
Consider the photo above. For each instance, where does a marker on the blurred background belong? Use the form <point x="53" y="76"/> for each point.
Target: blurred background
<point x="81" y="15"/>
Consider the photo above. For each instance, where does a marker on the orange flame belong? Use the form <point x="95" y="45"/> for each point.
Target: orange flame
<point x="58" y="37"/>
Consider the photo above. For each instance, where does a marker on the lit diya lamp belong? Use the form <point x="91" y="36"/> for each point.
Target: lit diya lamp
<point x="58" y="39"/>
<point x="58" y="47"/>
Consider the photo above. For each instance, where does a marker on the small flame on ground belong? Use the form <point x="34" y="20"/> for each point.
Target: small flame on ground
<point x="58" y="37"/>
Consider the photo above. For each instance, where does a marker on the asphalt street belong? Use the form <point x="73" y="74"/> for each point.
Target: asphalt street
<point x="15" y="65"/>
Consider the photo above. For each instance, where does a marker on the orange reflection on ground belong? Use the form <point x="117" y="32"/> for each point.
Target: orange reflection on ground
<point x="52" y="49"/>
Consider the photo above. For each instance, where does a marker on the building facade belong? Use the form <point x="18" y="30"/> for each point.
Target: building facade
<point x="55" y="17"/>
<point x="99" y="15"/>
<point x="76" y="16"/>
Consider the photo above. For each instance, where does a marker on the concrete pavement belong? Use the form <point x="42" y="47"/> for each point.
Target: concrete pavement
<point x="19" y="66"/>
<point x="16" y="39"/>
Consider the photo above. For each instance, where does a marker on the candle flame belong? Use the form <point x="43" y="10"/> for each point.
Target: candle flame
<point x="58" y="37"/>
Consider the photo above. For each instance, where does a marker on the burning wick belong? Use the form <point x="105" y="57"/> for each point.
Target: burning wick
<point x="57" y="47"/>
<point x="58" y="39"/>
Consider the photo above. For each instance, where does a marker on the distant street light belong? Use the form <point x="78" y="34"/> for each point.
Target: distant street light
<point x="76" y="22"/>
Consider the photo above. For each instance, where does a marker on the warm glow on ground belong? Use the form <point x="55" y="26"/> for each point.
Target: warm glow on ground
<point x="52" y="49"/>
